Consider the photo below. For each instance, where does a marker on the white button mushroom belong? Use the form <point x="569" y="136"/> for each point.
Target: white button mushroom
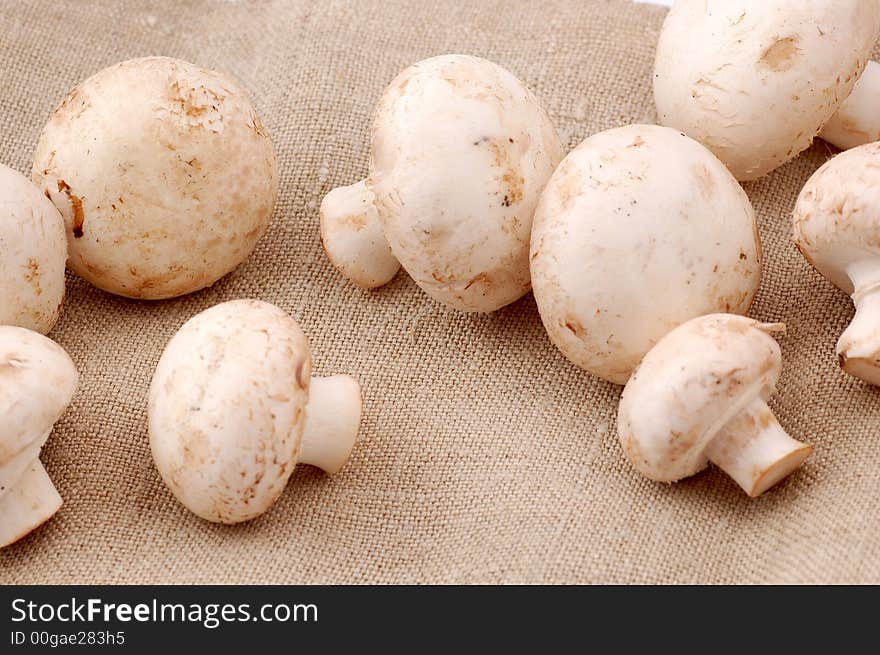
<point x="639" y="229"/>
<point x="700" y="396"/>
<point x="836" y="230"/>
<point x="233" y="407"/>
<point x="353" y="238"/>
<point x="461" y="150"/>
<point x="37" y="382"/>
<point x="33" y="252"/>
<point x="164" y="175"/>
<point x="755" y="80"/>
<point x="857" y="122"/>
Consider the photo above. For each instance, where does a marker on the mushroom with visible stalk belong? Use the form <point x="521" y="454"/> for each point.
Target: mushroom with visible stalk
<point x="836" y="229"/>
<point x="33" y="253"/>
<point x="857" y="122"/>
<point x="233" y="408"/>
<point x="755" y="81"/>
<point x="164" y="175"/>
<point x="353" y="238"/>
<point x="460" y="152"/>
<point x="699" y="396"/>
<point x="640" y="229"/>
<point x="37" y="383"/>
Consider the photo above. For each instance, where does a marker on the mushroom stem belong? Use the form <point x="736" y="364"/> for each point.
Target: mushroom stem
<point x="333" y="416"/>
<point x="858" y="349"/>
<point x="353" y="238"/>
<point x="29" y="504"/>
<point x="755" y="451"/>
<point x="857" y="121"/>
<point x="12" y="470"/>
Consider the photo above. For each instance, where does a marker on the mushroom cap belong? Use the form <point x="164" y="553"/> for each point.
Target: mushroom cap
<point x="163" y="173"/>
<point x="755" y="81"/>
<point x="837" y="215"/>
<point x="33" y="252"/>
<point x="37" y="382"/>
<point x="857" y="120"/>
<point x="461" y="150"/>
<point x="227" y="408"/>
<point x="639" y="229"/>
<point x="697" y="378"/>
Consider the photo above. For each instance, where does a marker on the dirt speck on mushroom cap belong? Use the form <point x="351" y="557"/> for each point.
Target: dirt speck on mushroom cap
<point x="163" y="173"/>
<point x="226" y="409"/>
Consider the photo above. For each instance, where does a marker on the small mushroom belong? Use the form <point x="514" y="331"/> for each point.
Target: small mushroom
<point x="164" y="175"/>
<point x="37" y="382"/>
<point x="461" y="150"/>
<point x="836" y="230"/>
<point x="639" y="229"/>
<point x="755" y="81"/>
<point x="700" y="395"/>
<point x="33" y="252"/>
<point x="353" y="238"/>
<point x="233" y="408"/>
<point x="857" y="122"/>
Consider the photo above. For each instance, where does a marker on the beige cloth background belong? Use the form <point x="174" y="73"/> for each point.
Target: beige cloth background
<point x="484" y="455"/>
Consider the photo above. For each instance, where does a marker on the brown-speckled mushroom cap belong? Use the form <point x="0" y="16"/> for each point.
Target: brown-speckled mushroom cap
<point x="756" y="80"/>
<point x="227" y="409"/>
<point x="639" y="230"/>
<point x="857" y="121"/>
<point x="163" y="173"/>
<point x="837" y="228"/>
<point x="33" y="253"/>
<point x="837" y="216"/>
<point x="689" y="386"/>
<point x="461" y="150"/>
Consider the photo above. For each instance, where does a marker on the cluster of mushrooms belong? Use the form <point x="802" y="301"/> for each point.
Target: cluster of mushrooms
<point x="159" y="205"/>
<point x="640" y="246"/>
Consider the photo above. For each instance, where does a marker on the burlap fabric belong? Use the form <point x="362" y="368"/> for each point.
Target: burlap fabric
<point x="484" y="456"/>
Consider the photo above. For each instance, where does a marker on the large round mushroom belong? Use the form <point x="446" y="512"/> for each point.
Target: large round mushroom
<point x="461" y="150"/>
<point x="639" y="229"/>
<point x="756" y="80"/>
<point x="164" y="174"/>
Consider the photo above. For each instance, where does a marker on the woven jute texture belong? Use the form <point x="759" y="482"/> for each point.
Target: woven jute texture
<point x="484" y="455"/>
